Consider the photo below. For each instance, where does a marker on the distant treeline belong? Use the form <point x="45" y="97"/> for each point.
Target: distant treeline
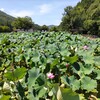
<point x="83" y="18"/>
<point x="9" y="23"/>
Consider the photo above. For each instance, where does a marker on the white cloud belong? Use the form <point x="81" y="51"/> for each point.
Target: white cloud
<point x="45" y="8"/>
<point x="2" y="9"/>
<point x="22" y="13"/>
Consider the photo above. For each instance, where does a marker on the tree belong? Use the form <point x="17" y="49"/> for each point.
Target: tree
<point x="67" y="10"/>
<point x="23" y="23"/>
<point x="54" y="28"/>
<point x="66" y="21"/>
<point x="44" y="28"/>
<point x="36" y="27"/>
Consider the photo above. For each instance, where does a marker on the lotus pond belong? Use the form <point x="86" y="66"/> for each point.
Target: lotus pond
<point x="49" y="66"/>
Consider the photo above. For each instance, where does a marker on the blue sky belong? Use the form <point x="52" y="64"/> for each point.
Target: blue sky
<point x="42" y="12"/>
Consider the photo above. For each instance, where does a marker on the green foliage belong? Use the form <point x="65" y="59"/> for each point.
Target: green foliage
<point x="83" y="18"/>
<point x="88" y="84"/>
<point x="28" y="59"/>
<point x="5" y="29"/>
<point x="54" y="28"/>
<point x="22" y="23"/>
<point x="4" y="97"/>
<point x="5" y="19"/>
<point x="44" y="28"/>
<point x="36" y="27"/>
<point x="15" y="74"/>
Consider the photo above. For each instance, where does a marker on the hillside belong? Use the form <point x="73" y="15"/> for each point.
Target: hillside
<point x="5" y="19"/>
<point x="83" y="18"/>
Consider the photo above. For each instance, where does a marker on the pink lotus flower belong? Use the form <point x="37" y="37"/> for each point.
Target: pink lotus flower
<point x="85" y="47"/>
<point x="50" y="75"/>
<point x="67" y="65"/>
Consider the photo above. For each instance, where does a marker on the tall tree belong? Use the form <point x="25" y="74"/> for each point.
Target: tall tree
<point x="44" y="28"/>
<point x="66" y="21"/>
<point x="23" y="23"/>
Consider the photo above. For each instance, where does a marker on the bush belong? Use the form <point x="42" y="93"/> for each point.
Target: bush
<point x="54" y="28"/>
<point x="91" y="27"/>
<point x="1" y="29"/>
<point x="5" y="29"/>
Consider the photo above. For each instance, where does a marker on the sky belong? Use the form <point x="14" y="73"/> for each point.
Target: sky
<point x="42" y="12"/>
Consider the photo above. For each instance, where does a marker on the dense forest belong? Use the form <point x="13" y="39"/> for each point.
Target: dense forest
<point x="83" y="18"/>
